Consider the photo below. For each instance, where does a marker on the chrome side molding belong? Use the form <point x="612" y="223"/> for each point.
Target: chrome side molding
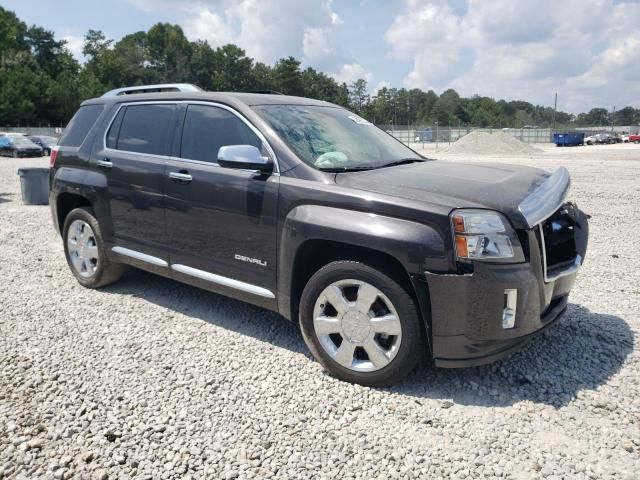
<point x="225" y="281"/>
<point x="546" y="198"/>
<point x="140" y="256"/>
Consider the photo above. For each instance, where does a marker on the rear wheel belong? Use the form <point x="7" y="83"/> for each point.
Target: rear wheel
<point x="84" y="250"/>
<point x="361" y="324"/>
<point x="14" y="154"/>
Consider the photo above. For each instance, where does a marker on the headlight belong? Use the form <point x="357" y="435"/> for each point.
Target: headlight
<point x="484" y="235"/>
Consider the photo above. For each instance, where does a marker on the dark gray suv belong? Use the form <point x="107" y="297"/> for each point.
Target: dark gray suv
<point x="304" y="208"/>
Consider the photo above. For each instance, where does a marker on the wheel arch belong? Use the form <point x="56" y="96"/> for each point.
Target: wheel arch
<point x="65" y="203"/>
<point x="402" y="248"/>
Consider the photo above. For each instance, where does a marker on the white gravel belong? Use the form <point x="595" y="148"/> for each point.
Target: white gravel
<point x="153" y="379"/>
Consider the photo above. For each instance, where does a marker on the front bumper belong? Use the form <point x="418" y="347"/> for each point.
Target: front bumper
<point x="467" y="310"/>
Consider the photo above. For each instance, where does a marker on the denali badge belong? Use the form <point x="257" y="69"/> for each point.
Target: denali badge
<point x="257" y="261"/>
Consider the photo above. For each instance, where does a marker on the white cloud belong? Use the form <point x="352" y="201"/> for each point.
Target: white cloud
<point x="75" y="44"/>
<point x="351" y="72"/>
<point x="266" y="29"/>
<point x="586" y="50"/>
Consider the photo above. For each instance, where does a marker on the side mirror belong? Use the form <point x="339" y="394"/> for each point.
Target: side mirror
<point x="244" y="157"/>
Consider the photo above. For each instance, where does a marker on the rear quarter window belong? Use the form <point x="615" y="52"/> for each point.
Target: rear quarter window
<point x="80" y="124"/>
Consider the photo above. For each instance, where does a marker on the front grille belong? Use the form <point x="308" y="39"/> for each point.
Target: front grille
<point x="557" y="242"/>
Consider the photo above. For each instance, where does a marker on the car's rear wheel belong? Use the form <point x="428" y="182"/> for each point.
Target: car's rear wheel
<point x="84" y="250"/>
<point x="361" y="324"/>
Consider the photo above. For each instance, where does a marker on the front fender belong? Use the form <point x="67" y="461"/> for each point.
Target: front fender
<point x="417" y="247"/>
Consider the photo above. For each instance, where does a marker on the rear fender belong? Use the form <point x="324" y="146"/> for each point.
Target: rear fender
<point x="89" y="184"/>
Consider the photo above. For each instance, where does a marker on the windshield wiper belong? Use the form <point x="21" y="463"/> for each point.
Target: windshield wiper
<point x="403" y="161"/>
<point x="344" y="169"/>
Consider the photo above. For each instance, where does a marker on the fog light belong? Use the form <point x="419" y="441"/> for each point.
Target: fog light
<point x="509" y="311"/>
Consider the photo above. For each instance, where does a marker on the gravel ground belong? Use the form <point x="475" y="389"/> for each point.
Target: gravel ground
<point x="152" y="379"/>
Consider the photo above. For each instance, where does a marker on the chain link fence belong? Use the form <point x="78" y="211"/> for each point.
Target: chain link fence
<point x="436" y="134"/>
<point x="47" y="131"/>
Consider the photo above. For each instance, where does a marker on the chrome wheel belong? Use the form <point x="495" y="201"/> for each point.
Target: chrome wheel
<point x="357" y="325"/>
<point x="82" y="248"/>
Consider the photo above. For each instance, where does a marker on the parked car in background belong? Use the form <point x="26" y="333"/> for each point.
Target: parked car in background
<point x="634" y="138"/>
<point x="625" y="138"/>
<point x="602" y="138"/>
<point x="19" y="146"/>
<point x="46" y="142"/>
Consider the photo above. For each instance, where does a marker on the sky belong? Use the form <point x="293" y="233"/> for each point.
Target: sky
<point x="588" y="51"/>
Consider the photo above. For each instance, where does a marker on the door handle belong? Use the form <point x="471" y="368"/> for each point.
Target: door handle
<point x="180" y="177"/>
<point x="106" y="163"/>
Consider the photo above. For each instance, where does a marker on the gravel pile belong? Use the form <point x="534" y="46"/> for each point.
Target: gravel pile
<point x="152" y="379"/>
<point x="499" y="143"/>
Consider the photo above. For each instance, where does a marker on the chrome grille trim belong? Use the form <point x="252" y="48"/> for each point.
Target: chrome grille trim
<point x="546" y="198"/>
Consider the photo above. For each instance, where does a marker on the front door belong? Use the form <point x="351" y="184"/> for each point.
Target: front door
<point x="221" y="222"/>
<point x="133" y="159"/>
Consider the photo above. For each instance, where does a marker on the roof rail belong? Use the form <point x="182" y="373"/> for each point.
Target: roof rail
<point x="269" y="92"/>
<point x="162" y="87"/>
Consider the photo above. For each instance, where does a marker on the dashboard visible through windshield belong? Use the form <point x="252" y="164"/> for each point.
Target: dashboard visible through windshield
<point x="334" y="139"/>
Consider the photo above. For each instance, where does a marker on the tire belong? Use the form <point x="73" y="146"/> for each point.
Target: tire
<point x="637" y="142"/>
<point x="84" y="250"/>
<point x="14" y="154"/>
<point x="357" y="283"/>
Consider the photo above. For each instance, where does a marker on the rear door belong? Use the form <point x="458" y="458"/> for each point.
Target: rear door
<point x="133" y="155"/>
<point x="221" y="222"/>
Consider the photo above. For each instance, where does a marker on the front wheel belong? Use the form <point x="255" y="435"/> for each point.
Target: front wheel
<point x="84" y="250"/>
<point x="360" y="324"/>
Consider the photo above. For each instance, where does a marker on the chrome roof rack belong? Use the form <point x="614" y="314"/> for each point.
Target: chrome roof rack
<point x="162" y="87"/>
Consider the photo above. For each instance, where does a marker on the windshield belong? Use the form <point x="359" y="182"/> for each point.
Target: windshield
<point x="331" y="138"/>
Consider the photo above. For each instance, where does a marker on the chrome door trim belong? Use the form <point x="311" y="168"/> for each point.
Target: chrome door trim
<point x="276" y="169"/>
<point x="546" y="198"/>
<point x="140" y="256"/>
<point x="225" y="281"/>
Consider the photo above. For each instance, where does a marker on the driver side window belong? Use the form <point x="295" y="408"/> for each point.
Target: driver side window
<point x="207" y="128"/>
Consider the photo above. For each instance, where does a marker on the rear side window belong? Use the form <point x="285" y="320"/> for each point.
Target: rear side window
<point x="112" y="136"/>
<point x="80" y="124"/>
<point x="143" y="129"/>
<point x="207" y="128"/>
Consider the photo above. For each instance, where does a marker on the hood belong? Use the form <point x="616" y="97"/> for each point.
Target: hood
<point x="497" y="187"/>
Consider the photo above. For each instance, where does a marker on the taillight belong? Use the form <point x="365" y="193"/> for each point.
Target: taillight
<point x="52" y="158"/>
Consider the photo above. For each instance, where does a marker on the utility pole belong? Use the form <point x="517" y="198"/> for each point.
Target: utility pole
<point x="555" y="107"/>
<point x="613" y="120"/>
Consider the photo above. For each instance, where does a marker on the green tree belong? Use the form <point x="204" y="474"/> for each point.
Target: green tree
<point x="288" y="77"/>
<point x="358" y="95"/>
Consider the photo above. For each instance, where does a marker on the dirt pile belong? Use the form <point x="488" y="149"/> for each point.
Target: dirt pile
<point x="499" y="143"/>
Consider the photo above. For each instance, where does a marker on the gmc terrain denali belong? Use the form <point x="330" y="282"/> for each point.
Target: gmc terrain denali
<point x="304" y="208"/>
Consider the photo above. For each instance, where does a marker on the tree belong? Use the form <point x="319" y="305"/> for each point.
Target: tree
<point x="358" y="95"/>
<point x="288" y="77"/>
<point x="169" y="52"/>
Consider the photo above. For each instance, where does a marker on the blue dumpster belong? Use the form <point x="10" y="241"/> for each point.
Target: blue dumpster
<point x="568" y="139"/>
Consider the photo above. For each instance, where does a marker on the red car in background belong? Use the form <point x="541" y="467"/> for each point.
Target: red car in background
<point x="634" y="138"/>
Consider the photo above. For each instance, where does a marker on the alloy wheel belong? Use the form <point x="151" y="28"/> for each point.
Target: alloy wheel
<point x="83" y="248"/>
<point x="357" y="325"/>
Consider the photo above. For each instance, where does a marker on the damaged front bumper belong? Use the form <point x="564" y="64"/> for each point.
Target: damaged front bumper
<point x="481" y="317"/>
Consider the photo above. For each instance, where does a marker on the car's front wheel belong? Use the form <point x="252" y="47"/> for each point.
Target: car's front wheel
<point x="84" y="250"/>
<point x="361" y="324"/>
